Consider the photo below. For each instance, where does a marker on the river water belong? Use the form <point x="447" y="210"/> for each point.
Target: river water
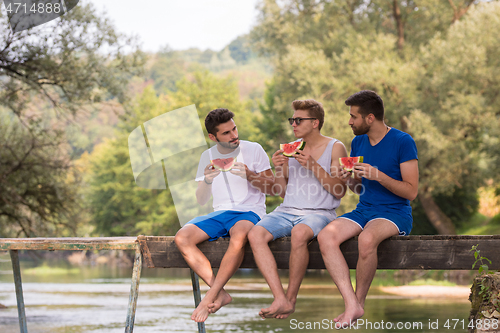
<point x="94" y="299"/>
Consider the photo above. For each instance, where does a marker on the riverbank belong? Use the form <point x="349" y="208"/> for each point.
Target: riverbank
<point x="427" y="291"/>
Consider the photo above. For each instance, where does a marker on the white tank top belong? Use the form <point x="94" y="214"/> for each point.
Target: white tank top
<point x="304" y="193"/>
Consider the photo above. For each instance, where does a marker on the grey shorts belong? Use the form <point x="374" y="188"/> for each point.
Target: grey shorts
<point x="280" y="224"/>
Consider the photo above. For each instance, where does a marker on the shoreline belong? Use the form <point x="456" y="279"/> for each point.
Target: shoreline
<point x="429" y="291"/>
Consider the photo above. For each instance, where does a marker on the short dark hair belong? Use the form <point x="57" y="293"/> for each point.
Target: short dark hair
<point x="216" y="117"/>
<point x="368" y="102"/>
<point x="314" y="108"/>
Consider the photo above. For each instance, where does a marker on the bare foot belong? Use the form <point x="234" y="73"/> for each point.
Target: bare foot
<point x="280" y="307"/>
<point x="201" y="312"/>
<point x="222" y="299"/>
<point x="285" y="315"/>
<point x="349" y="317"/>
<point x="339" y="317"/>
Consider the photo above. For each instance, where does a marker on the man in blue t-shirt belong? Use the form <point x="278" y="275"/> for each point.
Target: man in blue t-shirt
<point x="386" y="181"/>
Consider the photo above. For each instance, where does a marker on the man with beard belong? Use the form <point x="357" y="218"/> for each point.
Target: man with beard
<point x="238" y="202"/>
<point x="386" y="182"/>
<point x="312" y="191"/>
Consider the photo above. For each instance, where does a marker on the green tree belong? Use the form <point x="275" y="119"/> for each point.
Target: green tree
<point x="168" y="67"/>
<point x="439" y="84"/>
<point x="118" y="205"/>
<point x="324" y="24"/>
<point x="456" y="118"/>
<point x="46" y="72"/>
<point x="241" y="50"/>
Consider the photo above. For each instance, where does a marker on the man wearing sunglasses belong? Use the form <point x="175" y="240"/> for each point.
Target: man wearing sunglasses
<point x="311" y="189"/>
<point x="238" y="202"/>
<point x="386" y="182"/>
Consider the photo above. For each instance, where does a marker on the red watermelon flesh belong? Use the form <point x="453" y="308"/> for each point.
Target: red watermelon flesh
<point x="289" y="148"/>
<point x="223" y="164"/>
<point x="348" y="162"/>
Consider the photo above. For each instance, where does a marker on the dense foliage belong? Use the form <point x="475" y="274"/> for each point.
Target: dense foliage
<point x="435" y="64"/>
<point x="48" y="74"/>
<point x="67" y="85"/>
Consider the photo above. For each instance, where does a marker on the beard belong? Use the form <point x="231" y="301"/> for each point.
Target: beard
<point x="229" y="145"/>
<point x="360" y="130"/>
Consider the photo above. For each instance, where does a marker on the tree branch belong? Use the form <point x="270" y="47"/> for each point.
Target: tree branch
<point x="459" y="12"/>
<point x="399" y="24"/>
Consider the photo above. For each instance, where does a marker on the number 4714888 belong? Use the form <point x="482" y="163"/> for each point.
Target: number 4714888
<point x="40" y="7"/>
<point x="473" y="324"/>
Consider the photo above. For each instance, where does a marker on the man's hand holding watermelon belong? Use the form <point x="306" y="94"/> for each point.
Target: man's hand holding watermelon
<point x="279" y="160"/>
<point x="210" y="173"/>
<point x="306" y="160"/>
<point x="240" y="169"/>
<point x="364" y="170"/>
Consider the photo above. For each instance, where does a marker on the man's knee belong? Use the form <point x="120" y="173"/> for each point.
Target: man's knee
<point x="238" y="239"/>
<point x="329" y="236"/>
<point x="258" y="235"/>
<point x="182" y="238"/>
<point x="240" y="230"/>
<point x="301" y="235"/>
<point x="367" y="244"/>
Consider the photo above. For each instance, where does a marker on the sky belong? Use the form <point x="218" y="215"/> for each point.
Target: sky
<point x="182" y="24"/>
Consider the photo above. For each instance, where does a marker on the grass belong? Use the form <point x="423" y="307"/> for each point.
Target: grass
<point x="47" y="270"/>
<point x="481" y="225"/>
<point x="431" y="282"/>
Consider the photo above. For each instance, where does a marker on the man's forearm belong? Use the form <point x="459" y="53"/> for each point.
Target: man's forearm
<point x="279" y="187"/>
<point x="280" y="181"/>
<point x="398" y="187"/>
<point x="261" y="182"/>
<point x="333" y="185"/>
<point x="203" y="193"/>
<point x="355" y="185"/>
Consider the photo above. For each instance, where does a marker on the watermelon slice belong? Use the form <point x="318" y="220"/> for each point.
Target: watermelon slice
<point x="289" y="148"/>
<point x="348" y="162"/>
<point x="223" y="164"/>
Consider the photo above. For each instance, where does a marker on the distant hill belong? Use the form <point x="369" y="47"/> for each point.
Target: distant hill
<point x="163" y="70"/>
<point x="236" y="59"/>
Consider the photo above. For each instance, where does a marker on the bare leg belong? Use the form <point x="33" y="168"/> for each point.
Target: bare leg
<point x="259" y="239"/>
<point x="186" y="240"/>
<point x="299" y="259"/>
<point x="330" y="238"/>
<point x="368" y="241"/>
<point x="217" y="297"/>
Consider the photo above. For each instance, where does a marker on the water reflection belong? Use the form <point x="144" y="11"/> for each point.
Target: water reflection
<point x="95" y="300"/>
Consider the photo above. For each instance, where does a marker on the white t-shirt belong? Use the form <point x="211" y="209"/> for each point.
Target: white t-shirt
<point x="231" y="192"/>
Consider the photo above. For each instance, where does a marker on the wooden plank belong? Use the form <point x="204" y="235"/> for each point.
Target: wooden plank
<point x="90" y="243"/>
<point x="399" y="252"/>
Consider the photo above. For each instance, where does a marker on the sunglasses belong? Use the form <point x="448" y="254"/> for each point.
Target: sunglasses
<point x="298" y="120"/>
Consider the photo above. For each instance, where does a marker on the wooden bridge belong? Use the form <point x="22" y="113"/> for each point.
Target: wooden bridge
<point x="398" y="252"/>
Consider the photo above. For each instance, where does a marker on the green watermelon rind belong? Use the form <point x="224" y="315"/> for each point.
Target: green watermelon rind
<point x="223" y="169"/>
<point x="360" y="160"/>
<point x="300" y="147"/>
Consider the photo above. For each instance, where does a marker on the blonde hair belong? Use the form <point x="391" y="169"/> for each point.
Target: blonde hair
<point x="314" y="108"/>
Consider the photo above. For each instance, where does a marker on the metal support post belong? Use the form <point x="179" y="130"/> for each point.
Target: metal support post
<point x="134" y="290"/>
<point x="19" y="290"/>
<point x="197" y="297"/>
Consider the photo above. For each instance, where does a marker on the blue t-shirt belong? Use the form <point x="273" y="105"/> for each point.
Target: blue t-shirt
<point x="395" y="148"/>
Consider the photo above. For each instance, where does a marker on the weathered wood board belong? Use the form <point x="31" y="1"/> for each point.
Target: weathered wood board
<point x="398" y="252"/>
<point x="51" y="244"/>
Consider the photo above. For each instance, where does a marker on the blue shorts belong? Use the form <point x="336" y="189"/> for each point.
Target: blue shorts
<point x="361" y="216"/>
<point x="280" y="224"/>
<point x="218" y="223"/>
